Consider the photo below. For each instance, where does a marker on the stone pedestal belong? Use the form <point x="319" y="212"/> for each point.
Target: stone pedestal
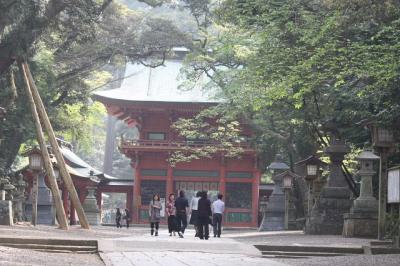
<point x="362" y="221"/>
<point x="45" y="208"/>
<point x="6" y="213"/>
<point x="274" y="216"/>
<point x="334" y="200"/>
<point x="91" y="209"/>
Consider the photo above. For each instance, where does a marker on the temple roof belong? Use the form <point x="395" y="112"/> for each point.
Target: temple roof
<point x="160" y="84"/>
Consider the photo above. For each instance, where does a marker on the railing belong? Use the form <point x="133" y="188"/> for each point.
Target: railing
<point x="171" y="144"/>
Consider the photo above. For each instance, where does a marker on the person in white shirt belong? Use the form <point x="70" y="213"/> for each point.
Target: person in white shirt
<point x="218" y="208"/>
<point x="193" y="211"/>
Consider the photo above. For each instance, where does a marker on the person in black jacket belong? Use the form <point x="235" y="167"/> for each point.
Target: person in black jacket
<point x="182" y="206"/>
<point x="204" y="215"/>
<point x="118" y="216"/>
<point x="127" y="218"/>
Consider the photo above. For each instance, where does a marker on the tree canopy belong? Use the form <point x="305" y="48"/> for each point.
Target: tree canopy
<point x="300" y="70"/>
<point x="70" y="45"/>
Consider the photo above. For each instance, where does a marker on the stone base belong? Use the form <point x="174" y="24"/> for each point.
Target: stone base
<point x="360" y="225"/>
<point x="93" y="218"/>
<point x="6" y="213"/>
<point x="327" y="214"/>
<point x="274" y="216"/>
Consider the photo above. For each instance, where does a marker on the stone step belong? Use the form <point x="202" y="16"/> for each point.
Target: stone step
<point x="284" y="257"/>
<point x="43" y="241"/>
<point x="52" y="247"/>
<point x="381" y="243"/>
<point x="315" y="249"/>
<point x="384" y="250"/>
<point x="301" y="254"/>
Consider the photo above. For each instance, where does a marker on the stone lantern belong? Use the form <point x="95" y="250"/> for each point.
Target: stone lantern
<point x="19" y="198"/>
<point x="383" y="142"/>
<point x="287" y="178"/>
<point x="273" y="218"/>
<point x="36" y="166"/>
<point x="334" y="201"/>
<point x="6" y="214"/>
<point x="312" y="173"/>
<point x="362" y="221"/>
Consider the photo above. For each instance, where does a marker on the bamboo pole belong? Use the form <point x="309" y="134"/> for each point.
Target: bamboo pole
<point x="45" y="154"/>
<point x="56" y="149"/>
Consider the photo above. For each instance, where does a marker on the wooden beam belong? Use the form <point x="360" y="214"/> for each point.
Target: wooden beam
<point x="56" y="149"/>
<point x="45" y="155"/>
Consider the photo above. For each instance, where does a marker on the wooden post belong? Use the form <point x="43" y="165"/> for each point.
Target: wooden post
<point x="56" y="149"/>
<point x="382" y="193"/>
<point x="286" y="209"/>
<point x="35" y="189"/>
<point x="45" y="154"/>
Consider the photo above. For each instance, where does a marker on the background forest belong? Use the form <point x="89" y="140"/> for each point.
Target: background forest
<point x="297" y="70"/>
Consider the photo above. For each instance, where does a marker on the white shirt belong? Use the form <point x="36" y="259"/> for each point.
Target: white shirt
<point x="218" y="206"/>
<point x="194" y="203"/>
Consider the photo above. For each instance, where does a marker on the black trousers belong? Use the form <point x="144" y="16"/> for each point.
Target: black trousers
<point x="181" y="222"/>
<point x="203" y="227"/>
<point x="118" y="222"/>
<point x="171" y="224"/>
<point x="217" y="223"/>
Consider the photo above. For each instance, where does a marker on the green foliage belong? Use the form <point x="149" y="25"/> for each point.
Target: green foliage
<point x="69" y="46"/>
<point x="213" y="133"/>
<point x="302" y="71"/>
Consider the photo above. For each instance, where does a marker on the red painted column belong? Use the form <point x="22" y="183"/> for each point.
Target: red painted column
<point x="170" y="182"/>
<point x="64" y="194"/>
<point x="136" y="192"/>
<point x="255" y="194"/>
<point x="82" y="194"/>
<point x="222" y="176"/>
<point x="129" y="201"/>
<point x="72" y="218"/>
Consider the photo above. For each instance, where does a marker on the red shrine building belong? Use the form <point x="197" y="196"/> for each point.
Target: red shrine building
<point x="149" y="102"/>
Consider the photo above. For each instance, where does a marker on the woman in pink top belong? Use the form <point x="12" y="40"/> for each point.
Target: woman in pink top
<point x="171" y="212"/>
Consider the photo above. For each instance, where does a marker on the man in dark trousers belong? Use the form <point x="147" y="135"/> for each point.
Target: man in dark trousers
<point x="182" y="206"/>
<point x="204" y="215"/>
<point x="218" y="207"/>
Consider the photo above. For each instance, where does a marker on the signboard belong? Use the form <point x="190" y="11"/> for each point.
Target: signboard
<point x="394" y="185"/>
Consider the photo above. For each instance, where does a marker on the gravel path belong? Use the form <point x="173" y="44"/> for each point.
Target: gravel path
<point x="16" y="257"/>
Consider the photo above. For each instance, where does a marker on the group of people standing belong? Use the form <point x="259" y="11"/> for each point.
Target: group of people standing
<point x="201" y="212"/>
<point x="119" y="216"/>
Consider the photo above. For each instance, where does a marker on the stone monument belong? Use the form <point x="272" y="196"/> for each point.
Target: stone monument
<point x="274" y="215"/>
<point x="334" y="200"/>
<point x="362" y="221"/>
<point x="91" y="209"/>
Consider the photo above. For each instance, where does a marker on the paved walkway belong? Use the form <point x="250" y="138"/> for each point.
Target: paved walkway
<point x="165" y="250"/>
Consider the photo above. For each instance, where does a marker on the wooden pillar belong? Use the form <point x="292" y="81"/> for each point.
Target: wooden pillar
<point x="170" y="182"/>
<point x="65" y="200"/>
<point x="57" y="152"/>
<point x="254" y="197"/>
<point x="136" y="192"/>
<point x="129" y="201"/>
<point x="35" y="190"/>
<point x="37" y="110"/>
<point x="82" y="194"/>
<point x="72" y="218"/>
<point x="222" y="176"/>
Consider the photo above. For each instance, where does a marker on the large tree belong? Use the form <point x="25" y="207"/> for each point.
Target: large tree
<point x="300" y="70"/>
<point x="68" y="45"/>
